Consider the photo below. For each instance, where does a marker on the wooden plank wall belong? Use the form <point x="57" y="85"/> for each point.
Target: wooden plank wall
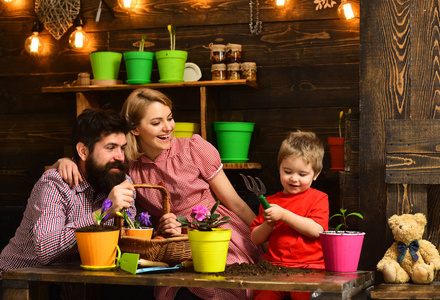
<point x="308" y="70"/>
<point x="399" y="55"/>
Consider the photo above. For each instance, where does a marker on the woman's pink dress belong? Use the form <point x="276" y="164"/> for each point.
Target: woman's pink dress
<point x="185" y="170"/>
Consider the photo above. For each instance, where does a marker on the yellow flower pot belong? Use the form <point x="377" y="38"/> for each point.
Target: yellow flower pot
<point x="209" y="249"/>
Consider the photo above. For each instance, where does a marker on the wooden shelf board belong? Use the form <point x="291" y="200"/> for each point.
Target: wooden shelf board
<point x="249" y="165"/>
<point x="91" y="88"/>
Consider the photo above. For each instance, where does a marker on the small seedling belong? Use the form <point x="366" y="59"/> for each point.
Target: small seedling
<point x="344" y="217"/>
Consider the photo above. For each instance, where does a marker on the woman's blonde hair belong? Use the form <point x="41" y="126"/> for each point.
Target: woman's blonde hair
<point x="134" y="110"/>
<point x="305" y="145"/>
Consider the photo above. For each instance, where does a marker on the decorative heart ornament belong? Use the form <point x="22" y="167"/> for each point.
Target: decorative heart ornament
<point x="57" y="15"/>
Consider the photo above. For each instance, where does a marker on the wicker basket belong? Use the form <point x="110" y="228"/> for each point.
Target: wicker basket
<point x="172" y="250"/>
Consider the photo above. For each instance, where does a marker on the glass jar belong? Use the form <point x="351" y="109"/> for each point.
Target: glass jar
<point x="249" y="71"/>
<point x="218" y="53"/>
<point x="218" y="71"/>
<point x="233" y="71"/>
<point x="233" y="53"/>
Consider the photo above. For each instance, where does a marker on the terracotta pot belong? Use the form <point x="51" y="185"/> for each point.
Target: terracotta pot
<point x="144" y="233"/>
<point x="209" y="249"/>
<point x="336" y="145"/>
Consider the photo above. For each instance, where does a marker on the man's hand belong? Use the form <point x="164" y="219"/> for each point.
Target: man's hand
<point x="122" y="196"/>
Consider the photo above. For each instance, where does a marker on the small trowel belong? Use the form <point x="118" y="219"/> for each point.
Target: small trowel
<point x="132" y="263"/>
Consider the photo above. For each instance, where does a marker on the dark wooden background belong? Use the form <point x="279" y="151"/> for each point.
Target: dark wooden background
<point x="308" y="70"/>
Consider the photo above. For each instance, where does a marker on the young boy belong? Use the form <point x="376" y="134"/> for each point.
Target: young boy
<point x="297" y="214"/>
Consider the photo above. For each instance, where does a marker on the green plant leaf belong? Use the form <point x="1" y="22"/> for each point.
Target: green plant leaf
<point x="343" y="210"/>
<point x="214" y="208"/>
<point x="335" y="215"/>
<point x="338" y="227"/>
<point x="214" y="216"/>
<point x="356" y="214"/>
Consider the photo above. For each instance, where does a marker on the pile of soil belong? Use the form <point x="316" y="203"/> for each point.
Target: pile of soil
<point x="262" y="268"/>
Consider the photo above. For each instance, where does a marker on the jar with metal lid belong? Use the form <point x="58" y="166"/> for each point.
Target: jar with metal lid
<point x="218" y="71"/>
<point x="233" y="53"/>
<point x="249" y="71"/>
<point x="234" y="71"/>
<point x="218" y="53"/>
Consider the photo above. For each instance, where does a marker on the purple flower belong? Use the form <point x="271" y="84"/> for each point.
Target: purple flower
<point x="106" y="205"/>
<point x="144" y="219"/>
<point x="199" y="212"/>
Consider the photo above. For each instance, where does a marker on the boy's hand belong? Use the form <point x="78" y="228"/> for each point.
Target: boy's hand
<point x="273" y="214"/>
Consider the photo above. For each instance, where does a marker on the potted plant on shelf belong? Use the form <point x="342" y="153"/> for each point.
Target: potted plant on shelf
<point x="342" y="248"/>
<point x="98" y="243"/>
<point x="209" y="244"/>
<point x="140" y="227"/>
<point x="139" y="64"/>
<point x="336" y="146"/>
<point x="171" y="63"/>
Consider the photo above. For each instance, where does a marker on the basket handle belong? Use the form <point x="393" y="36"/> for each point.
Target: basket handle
<point x="164" y="192"/>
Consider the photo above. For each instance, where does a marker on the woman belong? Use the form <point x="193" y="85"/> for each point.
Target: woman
<point x="190" y="169"/>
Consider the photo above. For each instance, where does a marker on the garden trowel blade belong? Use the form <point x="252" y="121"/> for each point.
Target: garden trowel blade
<point x="129" y="262"/>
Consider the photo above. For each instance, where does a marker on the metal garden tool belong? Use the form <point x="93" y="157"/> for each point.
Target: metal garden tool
<point x="257" y="191"/>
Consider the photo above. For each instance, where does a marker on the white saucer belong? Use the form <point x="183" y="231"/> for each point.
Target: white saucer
<point x="192" y="72"/>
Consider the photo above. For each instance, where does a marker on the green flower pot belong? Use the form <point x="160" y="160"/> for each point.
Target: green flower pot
<point x="233" y="140"/>
<point x="139" y="65"/>
<point x="171" y="65"/>
<point x="105" y="64"/>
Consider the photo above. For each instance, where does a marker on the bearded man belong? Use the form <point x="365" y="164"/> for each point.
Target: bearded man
<point x="54" y="209"/>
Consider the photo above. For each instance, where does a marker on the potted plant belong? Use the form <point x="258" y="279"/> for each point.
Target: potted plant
<point x="342" y="248"/>
<point x="171" y="63"/>
<point x="140" y="227"/>
<point x="139" y="64"/>
<point x="209" y="244"/>
<point x="98" y="243"/>
<point x="336" y="146"/>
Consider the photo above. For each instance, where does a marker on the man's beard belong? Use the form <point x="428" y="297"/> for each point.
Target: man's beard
<point x="101" y="178"/>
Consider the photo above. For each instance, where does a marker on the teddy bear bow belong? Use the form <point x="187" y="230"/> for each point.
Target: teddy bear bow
<point x="413" y="247"/>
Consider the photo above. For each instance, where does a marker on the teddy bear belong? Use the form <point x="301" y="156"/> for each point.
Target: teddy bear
<point x="409" y="257"/>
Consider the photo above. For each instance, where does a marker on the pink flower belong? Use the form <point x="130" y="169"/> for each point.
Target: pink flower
<point x="199" y="212"/>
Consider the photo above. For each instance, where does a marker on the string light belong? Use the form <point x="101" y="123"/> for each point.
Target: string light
<point x="127" y="5"/>
<point x="78" y="39"/>
<point x="348" y="10"/>
<point x="33" y="44"/>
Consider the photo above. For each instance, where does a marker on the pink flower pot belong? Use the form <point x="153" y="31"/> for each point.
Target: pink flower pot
<point x="341" y="250"/>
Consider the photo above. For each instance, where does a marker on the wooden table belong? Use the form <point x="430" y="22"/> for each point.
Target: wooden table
<point x="18" y="284"/>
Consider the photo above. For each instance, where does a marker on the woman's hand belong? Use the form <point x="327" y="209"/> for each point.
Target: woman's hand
<point x="68" y="171"/>
<point x="168" y="224"/>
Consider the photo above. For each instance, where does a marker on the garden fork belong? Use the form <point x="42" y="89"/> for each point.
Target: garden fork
<point x="257" y="191"/>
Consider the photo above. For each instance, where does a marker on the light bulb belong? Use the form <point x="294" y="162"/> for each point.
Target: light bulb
<point x="78" y="39"/>
<point x="33" y="43"/>
<point x="280" y="2"/>
<point x="8" y="1"/>
<point x="127" y="5"/>
<point x="347" y="10"/>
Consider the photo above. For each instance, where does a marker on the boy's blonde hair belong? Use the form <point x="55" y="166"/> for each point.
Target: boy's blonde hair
<point x="134" y="110"/>
<point x="305" y="145"/>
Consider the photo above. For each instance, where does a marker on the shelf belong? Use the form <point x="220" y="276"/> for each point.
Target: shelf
<point x="92" y="88"/>
<point x="87" y="98"/>
<point x="240" y="166"/>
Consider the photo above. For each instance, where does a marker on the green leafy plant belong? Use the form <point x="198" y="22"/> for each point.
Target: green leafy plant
<point x="202" y="219"/>
<point x="142" y="43"/>
<point x="104" y="207"/>
<point x="344" y="218"/>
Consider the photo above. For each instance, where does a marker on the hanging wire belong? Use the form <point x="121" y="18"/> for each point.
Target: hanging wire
<point x="255" y="29"/>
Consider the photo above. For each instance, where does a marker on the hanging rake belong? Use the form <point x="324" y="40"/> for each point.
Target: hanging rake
<point x="258" y="191"/>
